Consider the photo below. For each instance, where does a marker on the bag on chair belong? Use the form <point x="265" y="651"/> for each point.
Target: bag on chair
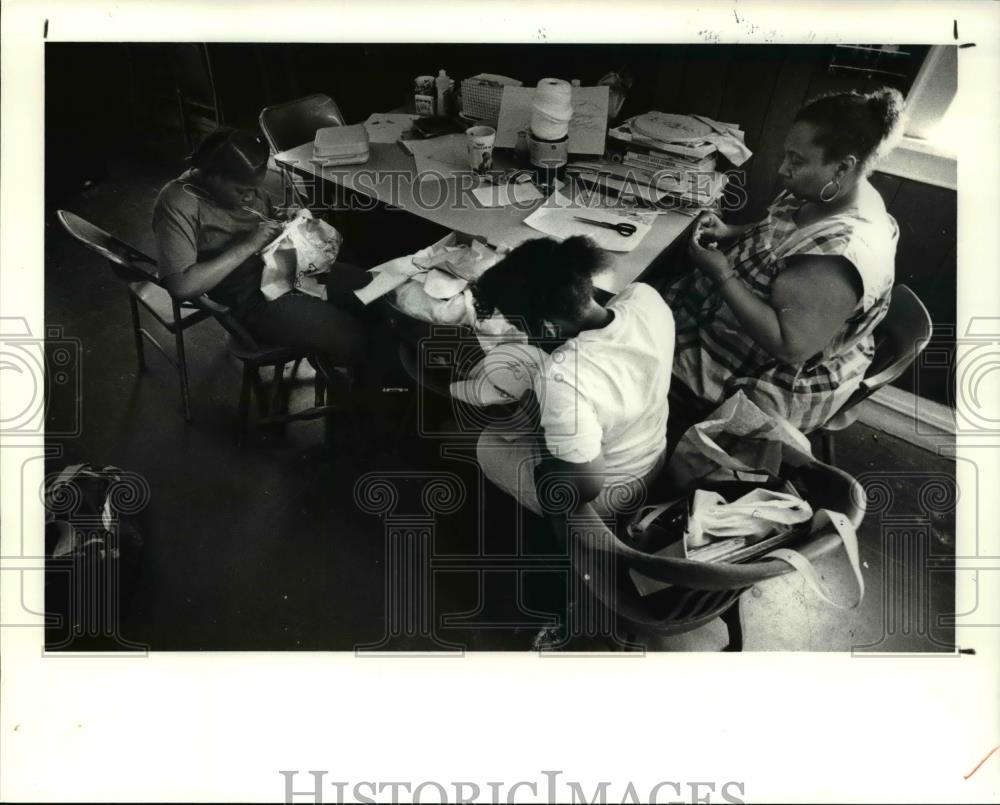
<point x="739" y="508"/>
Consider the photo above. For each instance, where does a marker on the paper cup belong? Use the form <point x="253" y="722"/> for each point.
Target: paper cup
<point x="480" y="140"/>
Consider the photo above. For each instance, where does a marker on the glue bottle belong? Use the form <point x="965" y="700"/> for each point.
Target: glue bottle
<point x="443" y="85"/>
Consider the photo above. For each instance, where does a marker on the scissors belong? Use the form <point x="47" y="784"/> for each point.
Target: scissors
<point x="623" y="229"/>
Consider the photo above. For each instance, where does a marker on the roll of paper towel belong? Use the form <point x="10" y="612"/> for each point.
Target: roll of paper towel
<point x="552" y="109"/>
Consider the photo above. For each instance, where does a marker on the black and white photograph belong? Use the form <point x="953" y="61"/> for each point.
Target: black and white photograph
<point x="554" y="352"/>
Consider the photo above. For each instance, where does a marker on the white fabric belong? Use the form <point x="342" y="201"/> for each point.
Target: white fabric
<point x="756" y="514"/>
<point x="605" y="391"/>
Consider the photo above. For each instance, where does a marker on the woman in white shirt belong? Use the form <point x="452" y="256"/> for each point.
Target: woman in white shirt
<point x="601" y="392"/>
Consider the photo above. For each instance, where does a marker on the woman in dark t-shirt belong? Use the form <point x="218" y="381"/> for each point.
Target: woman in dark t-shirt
<point x="210" y="229"/>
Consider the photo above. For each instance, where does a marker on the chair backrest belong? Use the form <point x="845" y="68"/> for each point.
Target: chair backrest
<point x="128" y="263"/>
<point x="899" y="338"/>
<point x="290" y="124"/>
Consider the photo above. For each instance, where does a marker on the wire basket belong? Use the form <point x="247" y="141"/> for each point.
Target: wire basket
<point x="481" y="100"/>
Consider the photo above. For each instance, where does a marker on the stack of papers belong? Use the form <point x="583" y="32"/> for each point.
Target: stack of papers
<point x="677" y="155"/>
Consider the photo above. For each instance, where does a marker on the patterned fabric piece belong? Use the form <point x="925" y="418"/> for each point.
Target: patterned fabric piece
<point x="715" y="357"/>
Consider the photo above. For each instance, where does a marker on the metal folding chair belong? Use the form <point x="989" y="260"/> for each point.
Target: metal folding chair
<point x="290" y="124"/>
<point x="899" y="338"/>
<point x="138" y="274"/>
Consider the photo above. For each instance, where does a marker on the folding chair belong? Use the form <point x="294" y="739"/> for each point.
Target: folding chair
<point x="290" y="124"/>
<point x="899" y="338"/>
<point x="137" y="271"/>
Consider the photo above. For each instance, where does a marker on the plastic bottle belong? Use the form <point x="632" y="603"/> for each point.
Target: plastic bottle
<point x="521" y="150"/>
<point x="443" y="85"/>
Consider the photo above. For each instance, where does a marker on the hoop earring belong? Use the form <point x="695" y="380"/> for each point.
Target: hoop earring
<point x="822" y="193"/>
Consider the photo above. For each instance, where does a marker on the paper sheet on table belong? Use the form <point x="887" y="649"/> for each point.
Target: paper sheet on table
<point x="386" y="278"/>
<point x="387" y="127"/>
<point x="506" y="194"/>
<point x="555" y="218"/>
<point x="440" y="157"/>
<point x="587" y="129"/>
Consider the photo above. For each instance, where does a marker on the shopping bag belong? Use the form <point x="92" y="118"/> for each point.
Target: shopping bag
<point x="737" y="441"/>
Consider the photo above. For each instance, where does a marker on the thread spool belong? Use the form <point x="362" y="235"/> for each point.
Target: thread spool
<point x="552" y="109"/>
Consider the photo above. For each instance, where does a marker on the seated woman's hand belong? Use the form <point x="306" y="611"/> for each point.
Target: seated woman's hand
<point x="711" y="262"/>
<point x="266" y="232"/>
<point x="709" y="227"/>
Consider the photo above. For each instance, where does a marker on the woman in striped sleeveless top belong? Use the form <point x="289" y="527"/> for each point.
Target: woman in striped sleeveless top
<point x="784" y="309"/>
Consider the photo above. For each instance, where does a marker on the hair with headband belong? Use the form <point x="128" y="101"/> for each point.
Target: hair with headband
<point x="234" y="154"/>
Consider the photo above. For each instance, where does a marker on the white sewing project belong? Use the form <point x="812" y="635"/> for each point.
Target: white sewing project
<point x="295" y="260"/>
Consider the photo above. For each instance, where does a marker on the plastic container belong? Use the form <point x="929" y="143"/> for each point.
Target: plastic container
<point x="443" y="86"/>
<point x="423" y="95"/>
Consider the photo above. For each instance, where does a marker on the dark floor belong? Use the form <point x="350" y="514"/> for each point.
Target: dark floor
<point x="270" y="546"/>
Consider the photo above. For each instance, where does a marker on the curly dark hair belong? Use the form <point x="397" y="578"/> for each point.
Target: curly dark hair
<point x="234" y="154"/>
<point x="542" y="279"/>
<point x="865" y="125"/>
